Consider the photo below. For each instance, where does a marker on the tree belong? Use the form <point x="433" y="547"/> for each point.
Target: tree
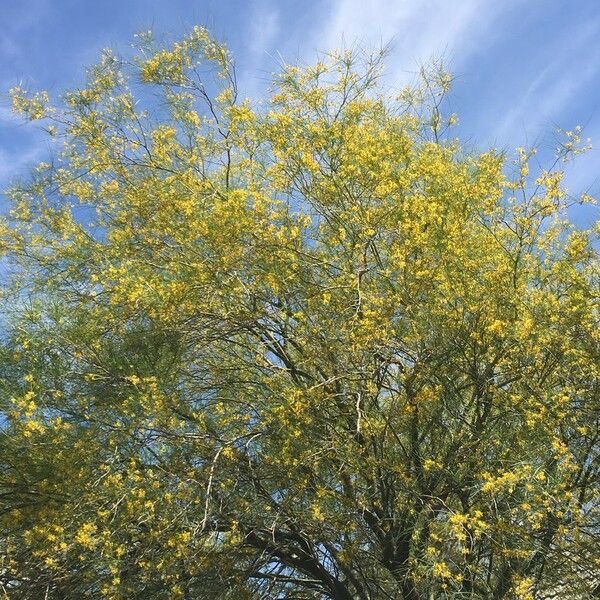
<point x="311" y="349"/>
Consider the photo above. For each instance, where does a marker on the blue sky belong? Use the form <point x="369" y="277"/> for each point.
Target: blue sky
<point x="523" y="67"/>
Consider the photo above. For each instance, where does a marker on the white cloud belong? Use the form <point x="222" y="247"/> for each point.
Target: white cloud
<point x="259" y="44"/>
<point x="570" y="68"/>
<point x="418" y="29"/>
<point x="20" y="21"/>
<point x="264" y="28"/>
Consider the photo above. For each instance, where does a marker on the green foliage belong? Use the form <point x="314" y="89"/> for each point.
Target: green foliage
<point x="310" y="350"/>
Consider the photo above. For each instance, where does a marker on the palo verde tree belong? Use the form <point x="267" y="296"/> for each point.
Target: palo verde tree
<point x="306" y="349"/>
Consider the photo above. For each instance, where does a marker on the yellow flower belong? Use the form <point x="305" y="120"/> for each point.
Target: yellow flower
<point x="86" y="535"/>
<point x="441" y="569"/>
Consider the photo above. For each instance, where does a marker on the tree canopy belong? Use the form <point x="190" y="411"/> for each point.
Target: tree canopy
<point x="307" y="348"/>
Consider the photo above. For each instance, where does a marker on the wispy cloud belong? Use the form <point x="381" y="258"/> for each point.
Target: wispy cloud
<point x="16" y="23"/>
<point x="571" y="67"/>
<point x="418" y="29"/>
<point x="263" y="30"/>
<point x="260" y="43"/>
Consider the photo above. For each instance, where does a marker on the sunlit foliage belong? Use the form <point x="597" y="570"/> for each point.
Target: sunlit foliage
<point x="310" y="348"/>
